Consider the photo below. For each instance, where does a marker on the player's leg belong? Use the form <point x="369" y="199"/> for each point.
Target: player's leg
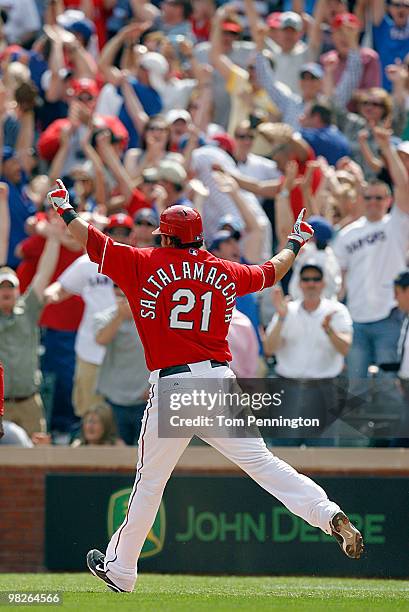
<point x="156" y="460"/>
<point x="297" y="492"/>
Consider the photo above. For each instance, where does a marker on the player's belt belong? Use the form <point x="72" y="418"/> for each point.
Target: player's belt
<point x="179" y="369"/>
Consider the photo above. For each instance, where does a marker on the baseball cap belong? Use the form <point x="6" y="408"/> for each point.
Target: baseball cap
<point x="220" y="237"/>
<point x="70" y="16"/>
<point x="289" y="19"/>
<point x="233" y="26"/>
<point x="274" y="20"/>
<point x="157" y="67"/>
<point x="83" y="27"/>
<point x="84" y="85"/>
<point x="402" y="279"/>
<point x="403" y="147"/>
<point x="345" y="19"/>
<point x="234" y="222"/>
<point x="178" y="113"/>
<point x="9" y="277"/>
<point x="172" y="171"/>
<point x="312" y="68"/>
<point x="83" y="171"/>
<point x="146" y="214"/>
<point x="224" y="141"/>
<point x="119" y="220"/>
<point x="323" y="230"/>
<point x="312" y="265"/>
<point x="14" y="53"/>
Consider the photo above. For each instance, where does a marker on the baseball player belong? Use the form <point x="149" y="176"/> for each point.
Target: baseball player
<point x="181" y="297"/>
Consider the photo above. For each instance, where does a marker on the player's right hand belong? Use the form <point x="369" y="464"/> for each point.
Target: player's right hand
<point x="302" y="231"/>
<point x="59" y="198"/>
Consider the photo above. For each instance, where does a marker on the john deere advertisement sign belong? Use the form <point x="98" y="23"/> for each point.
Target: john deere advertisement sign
<point x="211" y="524"/>
<point x="117" y="507"/>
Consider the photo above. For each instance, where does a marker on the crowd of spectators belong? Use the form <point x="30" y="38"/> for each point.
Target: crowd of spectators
<point x="248" y="111"/>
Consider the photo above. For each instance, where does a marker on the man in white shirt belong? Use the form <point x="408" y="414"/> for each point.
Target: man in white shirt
<point x="310" y="338"/>
<point x="82" y="278"/>
<point x="248" y="163"/>
<point x="371" y="252"/>
<point x="320" y="252"/>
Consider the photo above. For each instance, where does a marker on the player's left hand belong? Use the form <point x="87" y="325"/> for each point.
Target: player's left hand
<point x="302" y="231"/>
<point x="59" y="198"/>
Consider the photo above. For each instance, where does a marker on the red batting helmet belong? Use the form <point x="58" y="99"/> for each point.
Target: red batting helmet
<point x="181" y="222"/>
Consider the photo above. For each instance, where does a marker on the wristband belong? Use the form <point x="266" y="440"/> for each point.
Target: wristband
<point x="280" y="318"/>
<point x="293" y="245"/>
<point x="68" y="216"/>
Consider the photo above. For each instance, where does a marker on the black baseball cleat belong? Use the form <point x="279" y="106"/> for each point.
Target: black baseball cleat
<point x="95" y="562"/>
<point x="347" y="536"/>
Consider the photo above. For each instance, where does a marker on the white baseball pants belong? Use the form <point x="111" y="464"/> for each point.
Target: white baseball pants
<point x="157" y="458"/>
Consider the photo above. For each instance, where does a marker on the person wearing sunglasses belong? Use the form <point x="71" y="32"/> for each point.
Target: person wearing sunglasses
<point x="390" y="33"/>
<point x="310" y="338"/>
<point x="371" y="252"/>
<point x="375" y="108"/>
<point x="145" y="221"/>
<point x="248" y="162"/>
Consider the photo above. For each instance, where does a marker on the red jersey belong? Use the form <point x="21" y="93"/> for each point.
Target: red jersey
<point x="296" y="195"/>
<point x="67" y="315"/>
<point x="181" y="299"/>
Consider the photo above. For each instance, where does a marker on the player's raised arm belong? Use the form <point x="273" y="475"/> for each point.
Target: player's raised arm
<point x="60" y="201"/>
<point x="302" y="232"/>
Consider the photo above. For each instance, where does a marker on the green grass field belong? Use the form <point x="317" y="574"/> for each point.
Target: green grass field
<point x="165" y="593"/>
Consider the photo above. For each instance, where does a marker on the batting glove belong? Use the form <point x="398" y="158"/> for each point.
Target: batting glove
<point x="59" y="198"/>
<point x="302" y="232"/>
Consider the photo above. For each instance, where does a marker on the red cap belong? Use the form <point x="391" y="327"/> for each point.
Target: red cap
<point x="119" y="220"/>
<point x="11" y="49"/>
<point x="345" y="19"/>
<point x="232" y="26"/>
<point x="274" y="20"/>
<point x="85" y="86"/>
<point x="225" y="142"/>
<point x="181" y="222"/>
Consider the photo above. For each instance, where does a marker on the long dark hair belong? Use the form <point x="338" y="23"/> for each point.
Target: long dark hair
<point x="154" y="119"/>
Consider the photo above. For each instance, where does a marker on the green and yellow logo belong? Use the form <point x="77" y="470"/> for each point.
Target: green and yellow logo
<point x="117" y="507"/>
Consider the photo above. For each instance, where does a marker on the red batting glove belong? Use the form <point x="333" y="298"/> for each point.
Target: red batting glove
<point x="302" y="231"/>
<point x="59" y="198"/>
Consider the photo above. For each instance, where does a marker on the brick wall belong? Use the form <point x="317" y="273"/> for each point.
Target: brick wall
<point x="23" y="471"/>
<point x="22" y="514"/>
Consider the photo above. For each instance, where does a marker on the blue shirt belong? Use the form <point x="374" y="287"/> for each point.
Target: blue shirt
<point x="328" y="142"/>
<point x="390" y="42"/>
<point x="151" y="103"/>
<point x="20" y="208"/>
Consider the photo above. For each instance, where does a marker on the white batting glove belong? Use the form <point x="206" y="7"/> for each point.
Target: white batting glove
<point x="302" y="231"/>
<point x="59" y="198"/>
